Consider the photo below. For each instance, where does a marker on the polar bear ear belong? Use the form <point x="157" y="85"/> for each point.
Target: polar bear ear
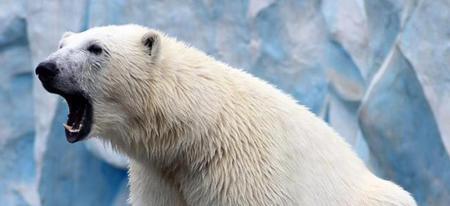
<point x="67" y="34"/>
<point x="152" y="41"/>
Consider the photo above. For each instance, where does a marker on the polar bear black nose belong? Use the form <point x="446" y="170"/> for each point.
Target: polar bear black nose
<point x="46" y="71"/>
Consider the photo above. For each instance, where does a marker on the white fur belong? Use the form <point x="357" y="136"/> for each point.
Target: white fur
<point x="200" y="132"/>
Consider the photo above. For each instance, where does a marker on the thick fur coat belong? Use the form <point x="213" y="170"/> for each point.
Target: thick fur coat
<point x="199" y="132"/>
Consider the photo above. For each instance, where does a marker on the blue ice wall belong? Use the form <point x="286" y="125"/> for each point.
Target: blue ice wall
<point x="376" y="70"/>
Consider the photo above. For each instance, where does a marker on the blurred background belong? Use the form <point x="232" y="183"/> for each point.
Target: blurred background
<point x="376" y="70"/>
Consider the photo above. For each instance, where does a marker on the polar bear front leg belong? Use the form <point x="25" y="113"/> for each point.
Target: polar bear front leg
<point x="147" y="187"/>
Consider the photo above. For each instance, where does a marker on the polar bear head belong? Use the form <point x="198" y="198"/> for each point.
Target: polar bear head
<point x="100" y="73"/>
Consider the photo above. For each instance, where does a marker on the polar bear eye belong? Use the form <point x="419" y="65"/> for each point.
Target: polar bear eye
<point x="95" y="49"/>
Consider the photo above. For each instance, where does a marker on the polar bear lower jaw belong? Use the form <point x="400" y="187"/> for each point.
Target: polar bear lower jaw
<point x="72" y="129"/>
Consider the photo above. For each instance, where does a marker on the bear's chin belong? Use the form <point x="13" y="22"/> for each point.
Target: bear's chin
<point x="79" y="122"/>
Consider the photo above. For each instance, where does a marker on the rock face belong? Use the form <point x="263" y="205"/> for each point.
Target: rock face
<point x="377" y="71"/>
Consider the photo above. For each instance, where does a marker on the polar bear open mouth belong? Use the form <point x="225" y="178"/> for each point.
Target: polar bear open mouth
<point x="79" y="120"/>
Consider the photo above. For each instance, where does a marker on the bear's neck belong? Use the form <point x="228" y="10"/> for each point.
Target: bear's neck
<point x="166" y="138"/>
<point x="171" y="127"/>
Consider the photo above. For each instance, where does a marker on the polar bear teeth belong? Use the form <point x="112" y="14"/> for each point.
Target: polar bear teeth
<point x="70" y="128"/>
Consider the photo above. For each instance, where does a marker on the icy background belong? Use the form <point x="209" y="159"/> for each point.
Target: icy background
<point x="376" y="70"/>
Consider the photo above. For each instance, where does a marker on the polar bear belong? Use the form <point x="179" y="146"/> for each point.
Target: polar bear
<point x="199" y="132"/>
